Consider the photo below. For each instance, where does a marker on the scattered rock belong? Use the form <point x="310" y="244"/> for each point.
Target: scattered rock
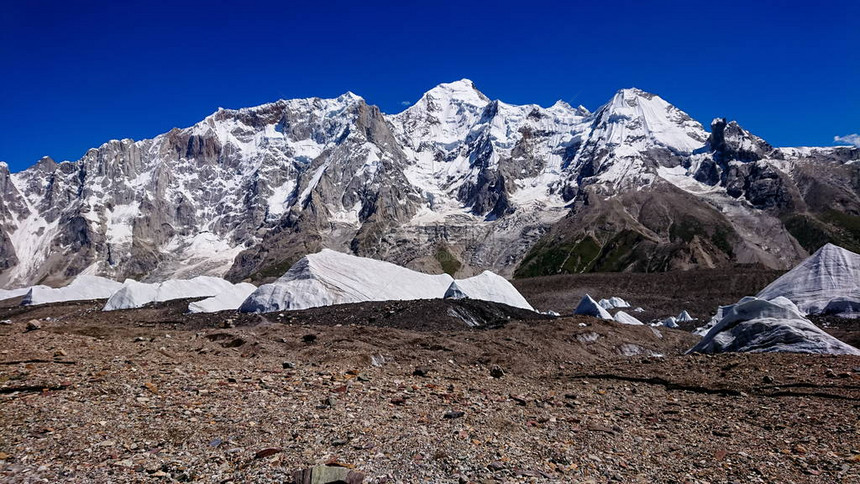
<point x="328" y="474"/>
<point x="497" y="372"/>
<point x="33" y="325"/>
<point x="288" y="365"/>
<point x="309" y="338"/>
<point x="452" y="414"/>
<point x="422" y="372"/>
<point x="268" y="452"/>
<point x="767" y="379"/>
<point x="594" y="427"/>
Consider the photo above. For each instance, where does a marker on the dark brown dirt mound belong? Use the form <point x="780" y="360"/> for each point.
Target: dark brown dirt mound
<point x="418" y="315"/>
<point x="846" y="330"/>
<point x="661" y="294"/>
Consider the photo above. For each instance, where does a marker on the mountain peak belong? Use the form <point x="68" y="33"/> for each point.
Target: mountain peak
<point x="350" y="96"/>
<point x="463" y="91"/>
<point x="632" y="92"/>
<point x="733" y="142"/>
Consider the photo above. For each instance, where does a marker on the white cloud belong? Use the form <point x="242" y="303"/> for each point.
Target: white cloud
<point x="405" y="103"/>
<point x="850" y="139"/>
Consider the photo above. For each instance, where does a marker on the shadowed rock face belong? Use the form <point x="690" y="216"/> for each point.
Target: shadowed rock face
<point x="508" y="188"/>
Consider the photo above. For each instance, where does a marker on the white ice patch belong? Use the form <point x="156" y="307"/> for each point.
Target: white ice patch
<point x="227" y="300"/>
<point x="760" y="326"/>
<point x="279" y="200"/>
<point x="120" y="223"/>
<point x="488" y="286"/>
<point x="329" y="277"/>
<point x="80" y="289"/>
<point x="827" y="282"/>
<point x="135" y="294"/>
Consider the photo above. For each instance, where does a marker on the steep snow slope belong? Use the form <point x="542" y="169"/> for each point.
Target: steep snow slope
<point x="632" y="135"/>
<point x="761" y="326"/>
<point x="243" y="191"/>
<point x="827" y="282"/>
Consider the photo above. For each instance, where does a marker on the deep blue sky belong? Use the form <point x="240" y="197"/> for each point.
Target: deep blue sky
<point x="75" y="74"/>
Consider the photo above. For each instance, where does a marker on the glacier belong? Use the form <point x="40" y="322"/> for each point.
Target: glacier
<point x="330" y="277"/>
<point x="828" y="282"/>
<point x="763" y="326"/>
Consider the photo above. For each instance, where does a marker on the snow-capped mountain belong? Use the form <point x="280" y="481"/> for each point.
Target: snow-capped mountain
<point x="456" y="182"/>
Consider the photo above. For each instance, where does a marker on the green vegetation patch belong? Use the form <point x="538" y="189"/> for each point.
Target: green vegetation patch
<point x="449" y="262"/>
<point x="564" y="258"/>
<point x="686" y="229"/>
<point x="848" y="225"/>
<point x="832" y="226"/>
<point x="618" y="253"/>
<point x="720" y="239"/>
<point x="809" y="232"/>
<point x="275" y="270"/>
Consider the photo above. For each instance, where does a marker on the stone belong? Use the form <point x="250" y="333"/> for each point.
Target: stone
<point x="497" y="372"/>
<point x="33" y="325"/>
<point x="309" y="338"/>
<point x="328" y="474"/>
<point x="268" y="452"/>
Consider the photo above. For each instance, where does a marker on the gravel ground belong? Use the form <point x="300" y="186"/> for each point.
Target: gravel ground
<point x="660" y="294"/>
<point x="146" y="395"/>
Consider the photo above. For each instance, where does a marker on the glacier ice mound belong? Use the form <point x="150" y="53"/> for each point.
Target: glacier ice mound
<point x="80" y="289"/>
<point x="828" y="282"/>
<point x="589" y="307"/>
<point x="625" y="318"/>
<point x="757" y="325"/>
<point x="135" y="294"/>
<point x="330" y="277"/>
<point x="227" y="300"/>
<point x="613" y="302"/>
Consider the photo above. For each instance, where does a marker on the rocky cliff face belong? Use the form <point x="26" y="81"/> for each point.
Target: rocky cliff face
<point x="456" y="181"/>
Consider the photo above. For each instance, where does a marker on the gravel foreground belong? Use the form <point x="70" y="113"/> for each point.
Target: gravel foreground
<point x="155" y="396"/>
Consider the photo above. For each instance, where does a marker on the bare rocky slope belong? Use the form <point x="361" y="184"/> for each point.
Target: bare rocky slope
<point x="457" y="183"/>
